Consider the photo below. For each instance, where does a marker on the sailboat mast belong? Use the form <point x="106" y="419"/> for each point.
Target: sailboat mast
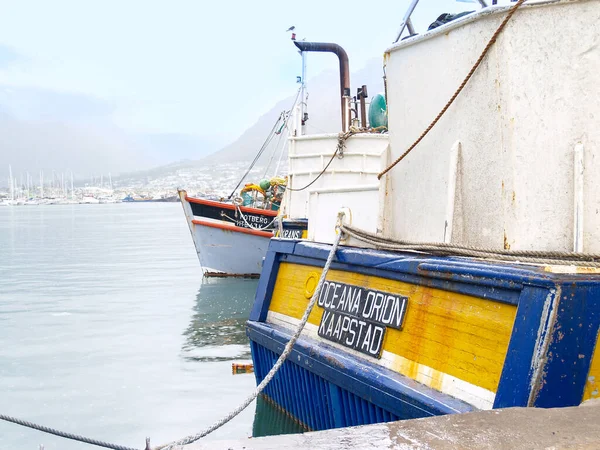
<point x="72" y="190"/>
<point x="12" y="183"/>
<point x="110" y="181"/>
<point x="41" y="184"/>
<point x="303" y="94"/>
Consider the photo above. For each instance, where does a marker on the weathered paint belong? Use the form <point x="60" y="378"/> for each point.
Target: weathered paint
<point x="592" y="383"/>
<point x="545" y="361"/>
<point x="519" y="120"/>
<point x="571" y="346"/>
<point x="444" y="332"/>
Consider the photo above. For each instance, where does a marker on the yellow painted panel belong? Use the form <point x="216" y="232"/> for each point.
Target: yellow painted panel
<point x="460" y="335"/>
<point x="592" y="384"/>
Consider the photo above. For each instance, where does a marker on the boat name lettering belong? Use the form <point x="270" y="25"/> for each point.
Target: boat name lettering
<point x="252" y="219"/>
<point x="292" y="234"/>
<point x="358" y="334"/>
<point x="379" y="307"/>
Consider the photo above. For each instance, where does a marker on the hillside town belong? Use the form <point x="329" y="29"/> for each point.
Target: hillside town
<point x="212" y="181"/>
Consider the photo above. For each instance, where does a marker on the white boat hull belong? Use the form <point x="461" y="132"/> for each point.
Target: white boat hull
<point x="229" y="253"/>
<point x="223" y="249"/>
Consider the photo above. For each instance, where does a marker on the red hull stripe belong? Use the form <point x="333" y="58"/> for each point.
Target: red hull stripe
<point x="264" y="212"/>
<point x="228" y="227"/>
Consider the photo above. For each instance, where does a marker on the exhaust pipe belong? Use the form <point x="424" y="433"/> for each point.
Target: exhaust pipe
<point x="344" y="73"/>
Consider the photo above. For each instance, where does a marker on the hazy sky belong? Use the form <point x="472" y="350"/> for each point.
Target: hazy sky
<point x="181" y="66"/>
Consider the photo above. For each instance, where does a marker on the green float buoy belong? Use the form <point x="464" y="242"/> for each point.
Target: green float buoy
<point x="378" y="112"/>
<point x="264" y="184"/>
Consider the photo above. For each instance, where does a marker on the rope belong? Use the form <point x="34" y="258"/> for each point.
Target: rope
<point x="273" y="155"/>
<point x="285" y="115"/>
<point x="460" y="88"/>
<point x="74" y="437"/>
<point x="341" y="145"/>
<point x="280" y="155"/>
<point x="286" y="352"/>
<point x="268" y="140"/>
<point x="246" y="222"/>
<point x="444" y="249"/>
<point x="318" y="176"/>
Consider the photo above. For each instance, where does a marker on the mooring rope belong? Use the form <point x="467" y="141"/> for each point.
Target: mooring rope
<point x="63" y="434"/>
<point x="192" y="438"/>
<point x="460" y="88"/>
<point x="446" y="249"/>
<point x="286" y="352"/>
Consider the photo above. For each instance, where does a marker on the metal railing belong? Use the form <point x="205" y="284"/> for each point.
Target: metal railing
<point x="407" y="22"/>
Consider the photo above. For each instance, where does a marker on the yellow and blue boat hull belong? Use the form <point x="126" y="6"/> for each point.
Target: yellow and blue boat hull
<point x="398" y="336"/>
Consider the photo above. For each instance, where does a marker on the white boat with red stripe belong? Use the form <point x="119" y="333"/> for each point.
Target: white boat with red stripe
<point x="230" y="240"/>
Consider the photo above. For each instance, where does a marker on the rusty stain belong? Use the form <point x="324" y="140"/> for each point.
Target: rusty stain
<point x="334" y="362"/>
<point x="231" y="275"/>
<point x="560" y="335"/>
<point x="506" y="243"/>
<point x="514" y="197"/>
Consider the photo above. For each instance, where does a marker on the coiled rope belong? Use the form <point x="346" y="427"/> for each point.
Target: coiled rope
<point x="460" y="88"/>
<point x="63" y="434"/>
<point x="286" y="352"/>
<point x="444" y="249"/>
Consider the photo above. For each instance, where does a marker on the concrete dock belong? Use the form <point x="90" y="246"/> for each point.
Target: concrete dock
<point x="514" y="428"/>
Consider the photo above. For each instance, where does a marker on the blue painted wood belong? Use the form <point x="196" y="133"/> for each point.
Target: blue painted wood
<point x="547" y="361"/>
<point x="516" y="380"/>
<point x="571" y="347"/>
<point x="380" y="386"/>
<point x="493" y="288"/>
<point x="410" y="262"/>
<point x="339" y="415"/>
<point x="266" y="283"/>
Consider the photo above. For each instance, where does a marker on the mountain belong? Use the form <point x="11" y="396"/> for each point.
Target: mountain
<point x="73" y="132"/>
<point x="323" y="108"/>
<point x="47" y="130"/>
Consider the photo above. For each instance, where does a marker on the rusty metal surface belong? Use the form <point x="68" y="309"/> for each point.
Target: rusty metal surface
<point x="344" y="67"/>
<point x="231" y="275"/>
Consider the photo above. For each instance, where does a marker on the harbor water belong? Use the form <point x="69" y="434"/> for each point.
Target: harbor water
<point x="108" y="330"/>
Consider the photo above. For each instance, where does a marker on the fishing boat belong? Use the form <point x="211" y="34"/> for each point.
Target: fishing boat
<point x="231" y="234"/>
<point x="462" y="267"/>
<point x="230" y="239"/>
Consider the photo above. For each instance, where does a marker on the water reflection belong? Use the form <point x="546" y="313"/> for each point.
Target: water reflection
<point x="217" y="331"/>
<point x="270" y="420"/>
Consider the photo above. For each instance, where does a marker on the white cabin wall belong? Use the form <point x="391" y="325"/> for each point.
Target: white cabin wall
<point x="349" y="182"/>
<point x="534" y="97"/>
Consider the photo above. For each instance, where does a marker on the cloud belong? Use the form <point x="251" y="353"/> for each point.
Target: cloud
<point x="28" y="103"/>
<point x="8" y="56"/>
